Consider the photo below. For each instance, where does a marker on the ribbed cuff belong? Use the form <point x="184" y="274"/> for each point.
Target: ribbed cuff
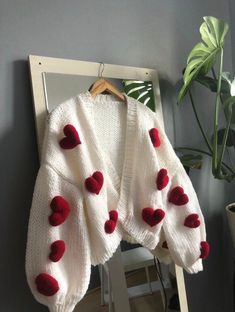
<point x="195" y="268"/>
<point x="66" y="307"/>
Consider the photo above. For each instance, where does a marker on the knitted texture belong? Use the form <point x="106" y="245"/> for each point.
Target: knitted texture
<point x="108" y="171"/>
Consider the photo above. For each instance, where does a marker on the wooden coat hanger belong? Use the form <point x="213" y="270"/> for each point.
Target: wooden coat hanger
<point x="102" y="85"/>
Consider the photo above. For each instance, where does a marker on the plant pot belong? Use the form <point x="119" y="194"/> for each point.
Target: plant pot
<point x="230" y="209"/>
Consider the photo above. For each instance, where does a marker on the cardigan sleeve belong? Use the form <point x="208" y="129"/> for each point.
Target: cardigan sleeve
<point x="57" y="254"/>
<point x="183" y="225"/>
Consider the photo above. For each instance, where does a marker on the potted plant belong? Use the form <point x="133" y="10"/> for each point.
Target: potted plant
<point x="205" y="67"/>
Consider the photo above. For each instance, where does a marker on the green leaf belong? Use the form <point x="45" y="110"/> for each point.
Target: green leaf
<point x="141" y="91"/>
<point x="202" y="56"/>
<point x="191" y="161"/>
<point x="211" y="84"/>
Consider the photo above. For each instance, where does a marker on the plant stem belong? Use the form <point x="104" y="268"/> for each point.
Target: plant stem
<point x="225" y="137"/>
<point x="215" y="171"/>
<point x="225" y="115"/>
<point x="199" y="123"/>
<point x="221" y="99"/>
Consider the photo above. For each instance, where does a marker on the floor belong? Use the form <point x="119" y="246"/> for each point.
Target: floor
<point x="147" y="303"/>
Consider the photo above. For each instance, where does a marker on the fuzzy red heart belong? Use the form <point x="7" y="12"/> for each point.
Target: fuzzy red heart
<point x="60" y="208"/>
<point x="155" y="137"/>
<point x="152" y="216"/>
<point x="205" y="249"/>
<point x="192" y="221"/>
<point x="110" y="224"/>
<point x="95" y="182"/>
<point x="178" y="197"/>
<point x="46" y="284"/>
<point x="57" y="250"/>
<point x="162" y="179"/>
<point x="113" y="215"/>
<point x="71" y="138"/>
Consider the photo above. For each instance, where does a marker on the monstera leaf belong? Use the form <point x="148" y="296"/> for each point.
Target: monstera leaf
<point x="211" y="84"/>
<point x="141" y="91"/>
<point x="202" y="56"/>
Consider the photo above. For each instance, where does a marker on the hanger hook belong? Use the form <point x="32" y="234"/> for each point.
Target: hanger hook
<point x="101" y="70"/>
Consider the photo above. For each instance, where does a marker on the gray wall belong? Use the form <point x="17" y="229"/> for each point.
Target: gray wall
<point x="232" y="25"/>
<point x="149" y="33"/>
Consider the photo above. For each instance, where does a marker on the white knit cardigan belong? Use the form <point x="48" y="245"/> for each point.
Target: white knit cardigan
<point x="108" y="172"/>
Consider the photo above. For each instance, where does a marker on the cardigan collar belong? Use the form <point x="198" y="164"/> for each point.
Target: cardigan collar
<point x="121" y="183"/>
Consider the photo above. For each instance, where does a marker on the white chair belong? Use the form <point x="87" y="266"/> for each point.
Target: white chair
<point x="132" y="259"/>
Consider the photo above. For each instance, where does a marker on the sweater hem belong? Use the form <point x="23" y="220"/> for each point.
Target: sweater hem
<point x="65" y="307"/>
<point x="145" y="238"/>
<point x="106" y="256"/>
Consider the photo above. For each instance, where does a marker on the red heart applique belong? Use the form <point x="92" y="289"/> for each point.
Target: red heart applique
<point x="60" y="208"/>
<point x="151" y="216"/>
<point x="57" y="250"/>
<point x="46" y="284"/>
<point x="155" y="137"/>
<point x="113" y="215"/>
<point x="192" y="221"/>
<point x="95" y="182"/>
<point x="162" y="179"/>
<point x="205" y="250"/>
<point x="178" y="197"/>
<point x="110" y="224"/>
<point x="71" y="138"/>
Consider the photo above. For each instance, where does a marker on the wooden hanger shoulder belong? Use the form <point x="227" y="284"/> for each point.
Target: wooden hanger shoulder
<point x="102" y="85"/>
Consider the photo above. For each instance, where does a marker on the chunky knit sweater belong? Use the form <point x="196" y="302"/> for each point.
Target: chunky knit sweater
<point x="108" y="172"/>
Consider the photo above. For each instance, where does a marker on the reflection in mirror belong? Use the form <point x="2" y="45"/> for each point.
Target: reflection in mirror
<point x="61" y="87"/>
<point x="151" y="286"/>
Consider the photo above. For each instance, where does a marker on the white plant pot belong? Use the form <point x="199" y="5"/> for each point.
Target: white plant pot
<point x="230" y="209"/>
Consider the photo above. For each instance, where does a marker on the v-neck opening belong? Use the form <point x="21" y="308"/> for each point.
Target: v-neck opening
<point x="120" y="183"/>
<point x="109" y="123"/>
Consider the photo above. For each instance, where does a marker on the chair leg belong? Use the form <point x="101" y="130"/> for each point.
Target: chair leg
<point x="159" y="266"/>
<point x="148" y="279"/>
<point x="101" y="270"/>
<point x="110" y="294"/>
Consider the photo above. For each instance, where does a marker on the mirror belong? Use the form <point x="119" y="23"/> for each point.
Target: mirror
<point x="132" y="273"/>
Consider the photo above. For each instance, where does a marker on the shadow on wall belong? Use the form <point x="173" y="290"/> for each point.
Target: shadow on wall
<point x="19" y="162"/>
<point x="211" y="289"/>
<point x="216" y="281"/>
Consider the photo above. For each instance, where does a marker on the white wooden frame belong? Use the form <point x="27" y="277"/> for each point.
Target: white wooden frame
<point x="39" y="65"/>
